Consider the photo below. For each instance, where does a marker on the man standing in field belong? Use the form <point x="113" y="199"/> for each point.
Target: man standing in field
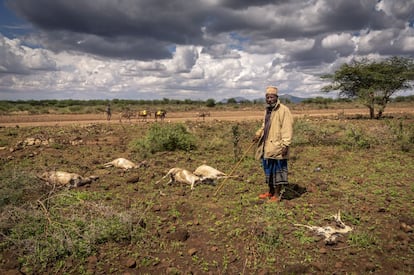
<point x="108" y="112"/>
<point x="274" y="139"/>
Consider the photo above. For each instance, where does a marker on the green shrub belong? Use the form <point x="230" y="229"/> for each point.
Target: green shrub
<point x="356" y="139"/>
<point x="303" y="132"/>
<point x="403" y="134"/>
<point x="308" y="133"/>
<point x="15" y="187"/>
<point x="65" y="226"/>
<point x="164" y="137"/>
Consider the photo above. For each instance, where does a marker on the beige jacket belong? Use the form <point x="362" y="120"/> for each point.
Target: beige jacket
<point x="280" y="134"/>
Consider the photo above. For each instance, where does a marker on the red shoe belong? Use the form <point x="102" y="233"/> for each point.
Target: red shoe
<point x="273" y="199"/>
<point x="265" y="196"/>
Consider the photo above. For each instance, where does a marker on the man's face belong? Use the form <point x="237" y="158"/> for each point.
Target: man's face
<point x="271" y="99"/>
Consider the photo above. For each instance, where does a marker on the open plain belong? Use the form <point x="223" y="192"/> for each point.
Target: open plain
<point x="127" y="223"/>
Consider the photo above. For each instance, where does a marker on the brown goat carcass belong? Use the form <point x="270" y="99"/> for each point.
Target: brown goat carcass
<point x="62" y="178"/>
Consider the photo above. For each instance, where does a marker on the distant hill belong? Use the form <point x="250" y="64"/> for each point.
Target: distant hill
<point x="291" y="98"/>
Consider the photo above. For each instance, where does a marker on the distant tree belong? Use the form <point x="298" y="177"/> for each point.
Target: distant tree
<point x="318" y="100"/>
<point x="409" y="98"/>
<point x="286" y="100"/>
<point x="372" y="82"/>
<point x="231" y="101"/>
<point x="210" y="102"/>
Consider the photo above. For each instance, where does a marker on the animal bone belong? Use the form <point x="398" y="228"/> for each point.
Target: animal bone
<point x="62" y="178"/>
<point x="330" y="233"/>
<point x="181" y="175"/>
<point x="121" y="163"/>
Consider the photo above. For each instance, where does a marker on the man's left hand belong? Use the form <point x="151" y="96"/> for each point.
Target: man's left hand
<point x="285" y="151"/>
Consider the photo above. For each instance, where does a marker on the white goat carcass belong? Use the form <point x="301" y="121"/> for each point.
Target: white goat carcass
<point x="61" y="178"/>
<point x="208" y="174"/>
<point x="122" y="163"/>
<point x="182" y="176"/>
<point x="330" y="233"/>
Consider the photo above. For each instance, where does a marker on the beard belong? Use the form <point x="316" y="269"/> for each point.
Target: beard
<point x="271" y="105"/>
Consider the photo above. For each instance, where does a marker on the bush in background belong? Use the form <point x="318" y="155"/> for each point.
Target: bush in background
<point x="164" y="137"/>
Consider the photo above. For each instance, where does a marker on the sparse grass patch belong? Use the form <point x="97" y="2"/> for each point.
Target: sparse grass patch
<point x="362" y="239"/>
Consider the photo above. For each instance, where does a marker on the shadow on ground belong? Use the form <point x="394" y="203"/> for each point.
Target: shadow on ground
<point x="292" y="191"/>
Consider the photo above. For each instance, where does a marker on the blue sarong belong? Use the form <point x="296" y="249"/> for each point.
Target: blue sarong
<point x="276" y="171"/>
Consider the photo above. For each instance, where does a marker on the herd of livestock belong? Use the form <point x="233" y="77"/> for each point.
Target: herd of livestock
<point x="145" y="114"/>
<point x="142" y="115"/>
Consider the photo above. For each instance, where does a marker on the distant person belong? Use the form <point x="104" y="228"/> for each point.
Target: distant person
<point x="273" y="141"/>
<point x="108" y="112"/>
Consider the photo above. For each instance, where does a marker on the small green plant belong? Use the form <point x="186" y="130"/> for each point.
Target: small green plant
<point x="352" y="218"/>
<point x="236" y="138"/>
<point x="303" y="237"/>
<point x="272" y="237"/>
<point x="362" y="239"/>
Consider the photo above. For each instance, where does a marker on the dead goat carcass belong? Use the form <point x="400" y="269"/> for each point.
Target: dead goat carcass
<point x="61" y="178"/>
<point x="208" y="174"/>
<point x="331" y="234"/>
<point x="121" y="163"/>
<point x="182" y="176"/>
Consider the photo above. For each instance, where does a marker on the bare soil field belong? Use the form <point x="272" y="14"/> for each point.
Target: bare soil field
<point x="130" y="222"/>
<point x="228" y="115"/>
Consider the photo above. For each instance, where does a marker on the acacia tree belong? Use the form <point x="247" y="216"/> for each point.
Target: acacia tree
<point x="373" y="83"/>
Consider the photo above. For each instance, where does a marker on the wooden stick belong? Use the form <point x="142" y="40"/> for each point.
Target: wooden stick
<point x="234" y="168"/>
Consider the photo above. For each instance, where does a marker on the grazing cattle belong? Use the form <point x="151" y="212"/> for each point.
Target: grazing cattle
<point x="128" y="114"/>
<point x="61" y="178"/>
<point x="160" y="114"/>
<point x="144" y="114"/>
<point x="121" y="163"/>
<point x="203" y="114"/>
<point x="181" y="176"/>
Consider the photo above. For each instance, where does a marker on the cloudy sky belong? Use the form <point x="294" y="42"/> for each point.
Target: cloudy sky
<point x="198" y="49"/>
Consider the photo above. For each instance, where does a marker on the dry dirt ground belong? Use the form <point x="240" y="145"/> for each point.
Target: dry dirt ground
<point x="239" y="115"/>
<point x="191" y="232"/>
